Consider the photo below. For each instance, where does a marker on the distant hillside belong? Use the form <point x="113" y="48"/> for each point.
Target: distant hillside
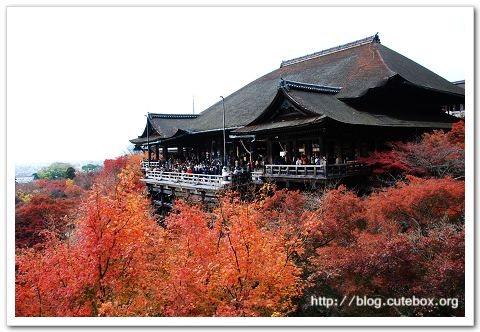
<point x="23" y="172"/>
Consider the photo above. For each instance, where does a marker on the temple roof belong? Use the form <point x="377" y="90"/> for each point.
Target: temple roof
<point x="161" y="126"/>
<point x="356" y="67"/>
<point x="327" y="83"/>
<point x="322" y="106"/>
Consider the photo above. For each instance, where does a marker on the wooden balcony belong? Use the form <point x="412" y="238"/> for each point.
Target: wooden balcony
<point x="313" y="172"/>
<point x="213" y="183"/>
<point x="150" y="164"/>
<point x="199" y="182"/>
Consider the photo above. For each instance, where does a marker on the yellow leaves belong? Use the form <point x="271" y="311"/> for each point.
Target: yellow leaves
<point x="25" y="197"/>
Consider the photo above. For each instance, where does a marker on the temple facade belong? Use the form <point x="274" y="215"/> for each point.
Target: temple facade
<point x="311" y="119"/>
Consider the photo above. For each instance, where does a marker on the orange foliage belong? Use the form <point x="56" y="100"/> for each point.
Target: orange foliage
<point x="436" y="154"/>
<point x="227" y="264"/>
<point x="246" y="258"/>
<point x="412" y="244"/>
<point x="105" y="261"/>
<point x="117" y="261"/>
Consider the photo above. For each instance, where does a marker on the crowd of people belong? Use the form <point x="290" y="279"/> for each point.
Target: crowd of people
<point x="303" y="159"/>
<point x="237" y="165"/>
<point x="191" y="166"/>
<point x="210" y="166"/>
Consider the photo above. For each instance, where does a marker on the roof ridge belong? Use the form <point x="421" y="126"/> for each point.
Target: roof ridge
<point x="172" y="116"/>
<point x="308" y="86"/>
<point x="371" y="39"/>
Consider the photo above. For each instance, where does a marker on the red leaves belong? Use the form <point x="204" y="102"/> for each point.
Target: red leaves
<point x="413" y="242"/>
<point x="338" y="217"/>
<point x="227" y="264"/>
<point x="107" y="258"/>
<point x="243" y="258"/>
<point x="39" y="213"/>
<point x="417" y="205"/>
<point x="114" y="166"/>
<point x="437" y="154"/>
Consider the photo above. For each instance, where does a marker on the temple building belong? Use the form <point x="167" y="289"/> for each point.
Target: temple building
<point x="312" y="118"/>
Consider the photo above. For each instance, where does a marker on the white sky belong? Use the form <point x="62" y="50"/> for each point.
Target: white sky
<point x="80" y="79"/>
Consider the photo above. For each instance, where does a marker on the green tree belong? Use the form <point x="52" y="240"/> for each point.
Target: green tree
<point x="70" y="173"/>
<point x="90" y="168"/>
<point x="55" y="171"/>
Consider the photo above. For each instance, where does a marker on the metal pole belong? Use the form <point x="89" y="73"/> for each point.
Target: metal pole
<point x="224" y="141"/>
<point x="148" y="142"/>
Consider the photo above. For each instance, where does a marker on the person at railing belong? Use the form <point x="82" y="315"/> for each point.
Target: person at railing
<point x="304" y="159"/>
<point x="323" y="162"/>
<point x="259" y="164"/>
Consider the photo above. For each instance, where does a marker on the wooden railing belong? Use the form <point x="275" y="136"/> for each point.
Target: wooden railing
<point x="185" y="178"/>
<point x="314" y="171"/>
<point x="150" y="164"/>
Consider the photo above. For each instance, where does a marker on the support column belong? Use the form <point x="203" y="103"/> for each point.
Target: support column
<point x="165" y="152"/>
<point x="295" y="148"/>
<point x="157" y="152"/>
<point x="269" y="151"/>
<point x="321" y="144"/>
<point x="308" y="149"/>
<point x="213" y="150"/>
<point x="289" y="151"/>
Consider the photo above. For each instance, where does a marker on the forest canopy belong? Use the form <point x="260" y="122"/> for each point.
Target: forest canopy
<point x="93" y="245"/>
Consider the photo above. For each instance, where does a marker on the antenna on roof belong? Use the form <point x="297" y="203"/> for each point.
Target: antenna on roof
<point x="193" y="105"/>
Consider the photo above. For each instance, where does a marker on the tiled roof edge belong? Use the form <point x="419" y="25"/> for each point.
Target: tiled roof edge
<point x="172" y="116"/>
<point x="308" y="87"/>
<point x="359" y="42"/>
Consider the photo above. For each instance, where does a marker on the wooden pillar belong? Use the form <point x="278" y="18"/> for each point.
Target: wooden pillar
<point x="269" y="151"/>
<point x="321" y="144"/>
<point x="308" y="149"/>
<point x="340" y="149"/>
<point x="157" y="153"/>
<point x="289" y="151"/>
<point x="295" y="148"/>
<point x="165" y="152"/>
<point x="213" y="151"/>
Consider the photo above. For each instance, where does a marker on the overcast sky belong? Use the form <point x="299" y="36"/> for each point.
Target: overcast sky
<point x="81" y="79"/>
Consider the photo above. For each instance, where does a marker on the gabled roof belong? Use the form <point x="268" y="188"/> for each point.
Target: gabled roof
<point x="327" y="83"/>
<point x="322" y="106"/>
<point x="161" y="126"/>
<point x="356" y="67"/>
<point x="355" y="43"/>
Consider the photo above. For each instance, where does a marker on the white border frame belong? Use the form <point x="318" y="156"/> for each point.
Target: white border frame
<point x="468" y="320"/>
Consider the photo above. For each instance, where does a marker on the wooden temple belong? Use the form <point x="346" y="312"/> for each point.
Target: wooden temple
<point x="326" y="109"/>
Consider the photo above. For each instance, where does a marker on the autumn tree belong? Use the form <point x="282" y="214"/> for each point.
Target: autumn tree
<point x="105" y="265"/>
<point x="436" y="154"/>
<point x="227" y="263"/>
<point x="40" y="212"/>
<point x="412" y="244"/>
